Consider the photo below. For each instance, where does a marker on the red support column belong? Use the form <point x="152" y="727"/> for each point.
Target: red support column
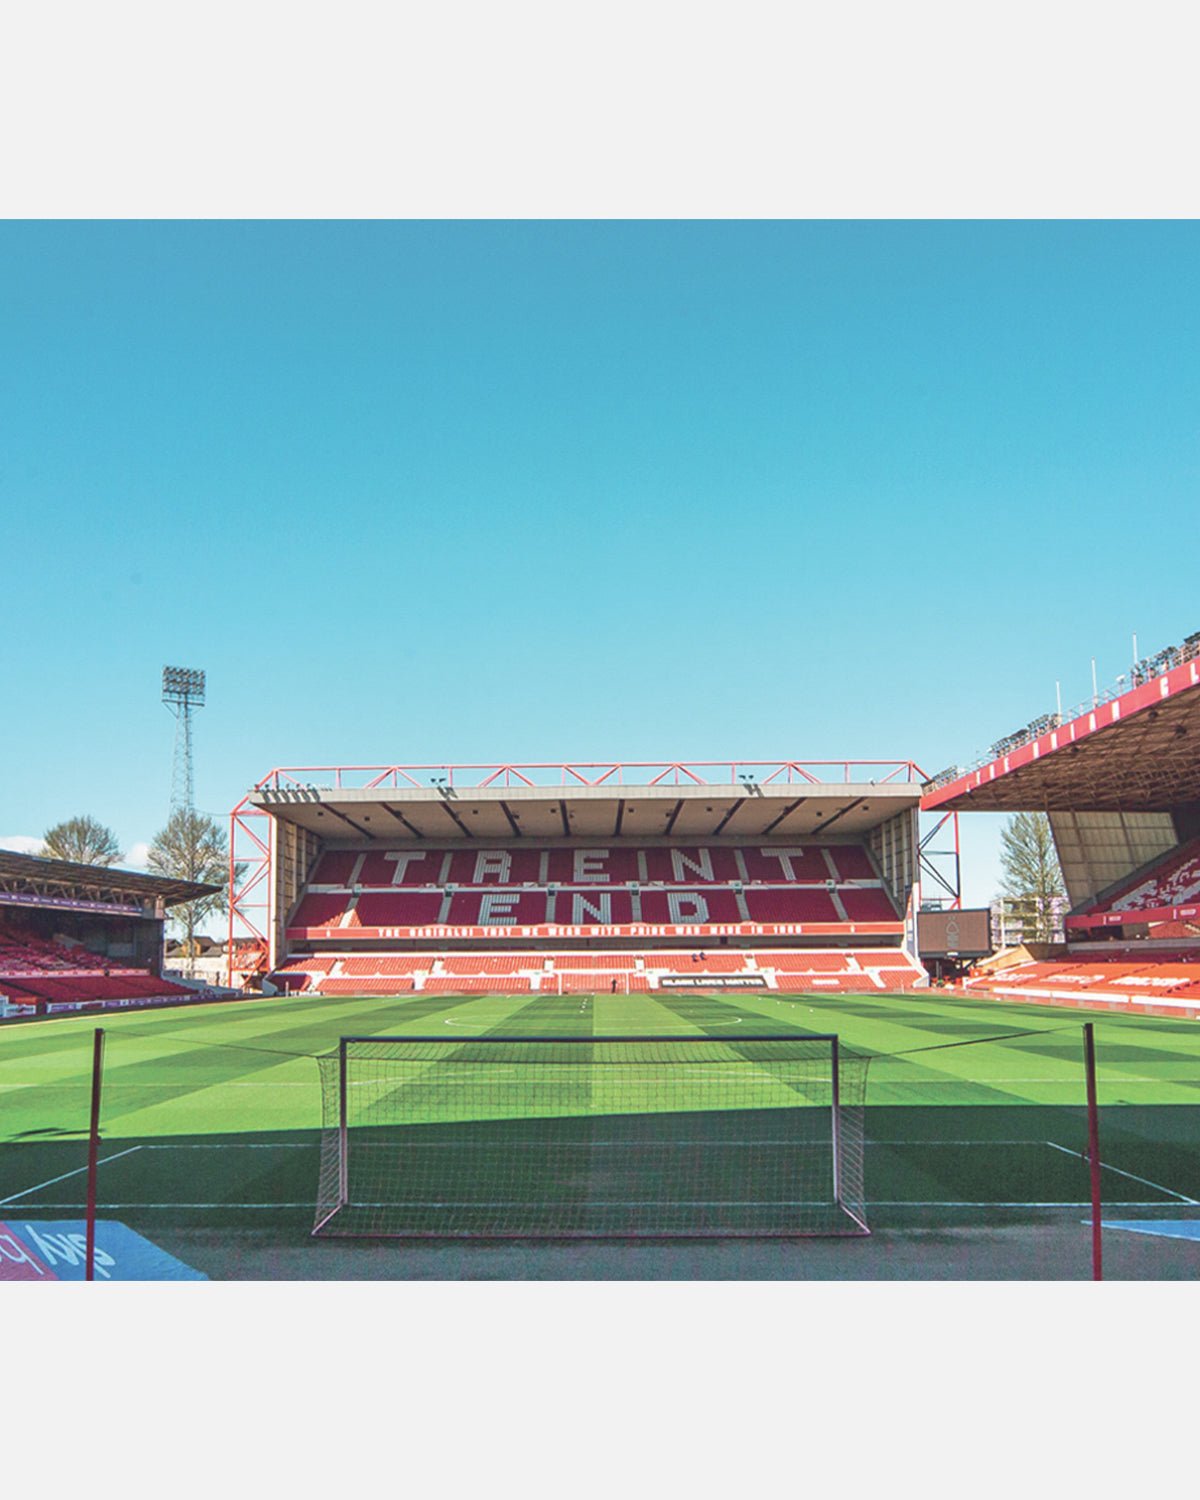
<point x="1089" y="1054"/>
<point x="94" y="1153"/>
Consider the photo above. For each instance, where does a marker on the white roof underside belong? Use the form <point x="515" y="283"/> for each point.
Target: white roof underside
<point x="846" y="810"/>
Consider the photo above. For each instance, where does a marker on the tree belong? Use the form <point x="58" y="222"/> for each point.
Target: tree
<point x="194" y="847"/>
<point x="1032" y="877"/>
<point x="83" y="839"/>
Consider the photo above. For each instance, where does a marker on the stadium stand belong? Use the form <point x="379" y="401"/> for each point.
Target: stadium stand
<point x="1119" y="783"/>
<point x="1167" y="883"/>
<point x="74" y="936"/>
<point x="41" y="974"/>
<point x="551" y="878"/>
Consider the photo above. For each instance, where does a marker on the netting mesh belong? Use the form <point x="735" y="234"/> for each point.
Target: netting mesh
<point x="546" y="1138"/>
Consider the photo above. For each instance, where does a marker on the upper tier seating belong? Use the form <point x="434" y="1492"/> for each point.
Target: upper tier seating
<point x="614" y="866"/>
<point x="689" y="907"/>
<point x="498" y="908"/>
<point x="396" y="909"/>
<point x="692" y="866"/>
<point x="786" y="864"/>
<point x="1173" y="882"/>
<point x="1169" y="885"/>
<point x="798" y="905"/>
<point x="320" y="911"/>
<point x="497" y="887"/>
<point x="853" y="862"/>
<point x="335" y="867"/>
<point x="867" y="905"/>
<point x="413" y="867"/>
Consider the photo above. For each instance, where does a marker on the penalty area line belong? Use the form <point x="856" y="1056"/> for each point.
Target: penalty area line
<point x="1132" y="1176"/>
<point x="170" y="1207"/>
<point x="985" y="1203"/>
<point x="231" y="1146"/>
<point x="308" y="1206"/>
<point x="50" y="1181"/>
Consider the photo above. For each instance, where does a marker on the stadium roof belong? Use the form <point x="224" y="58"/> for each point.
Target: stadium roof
<point x="31" y="873"/>
<point x="1138" y="752"/>
<point x="780" y="801"/>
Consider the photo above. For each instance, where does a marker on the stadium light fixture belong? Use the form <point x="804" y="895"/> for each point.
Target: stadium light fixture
<point x="183" y="685"/>
<point x="183" y="693"/>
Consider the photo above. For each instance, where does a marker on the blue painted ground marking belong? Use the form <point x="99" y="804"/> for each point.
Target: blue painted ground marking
<point x="55" y="1250"/>
<point x="1174" y="1229"/>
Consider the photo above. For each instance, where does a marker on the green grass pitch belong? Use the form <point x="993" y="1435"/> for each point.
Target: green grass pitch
<point x="212" y="1114"/>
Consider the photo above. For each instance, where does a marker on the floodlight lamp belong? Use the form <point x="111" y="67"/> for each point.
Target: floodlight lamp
<point x="183" y="685"/>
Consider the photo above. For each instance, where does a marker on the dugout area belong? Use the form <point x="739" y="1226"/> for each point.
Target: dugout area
<point x="974" y="1129"/>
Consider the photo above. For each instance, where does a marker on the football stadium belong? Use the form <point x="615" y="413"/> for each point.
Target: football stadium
<point x="628" y="1019"/>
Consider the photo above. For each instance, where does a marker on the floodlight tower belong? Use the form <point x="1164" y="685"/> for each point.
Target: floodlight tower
<point x="183" y="693"/>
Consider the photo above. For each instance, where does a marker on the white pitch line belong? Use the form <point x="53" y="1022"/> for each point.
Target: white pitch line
<point x="871" y="1203"/>
<point x="982" y="1203"/>
<point x="737" y="1021"/>
<point x="50" y="1181"/>
<point x="231" y="1146"/>
<point x="167" y="1207"/>
<point x="1133" y="1177"/>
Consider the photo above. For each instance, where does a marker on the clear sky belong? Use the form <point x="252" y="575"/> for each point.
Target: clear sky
<point x="474" y="491"/>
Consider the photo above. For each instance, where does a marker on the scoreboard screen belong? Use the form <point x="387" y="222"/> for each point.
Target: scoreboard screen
<point x="954" y="934"/>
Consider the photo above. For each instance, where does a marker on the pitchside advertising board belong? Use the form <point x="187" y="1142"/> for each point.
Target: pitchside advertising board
<point x="711" y="982"/>
<point x="56" y="1250"/>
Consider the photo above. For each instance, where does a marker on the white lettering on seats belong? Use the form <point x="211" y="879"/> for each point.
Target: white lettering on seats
<point x="493" y="862"/>
<point x="402" y="862"/>
<point x="599" y="910"/>
<point x="686" y="908"/>
<point x="784" y="856"/>
<point x="586" y="870"/>
<point x="702" y="867"/>
<point x="496" y="910"/>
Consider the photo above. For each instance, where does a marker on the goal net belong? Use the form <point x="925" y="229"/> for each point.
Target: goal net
<point x="554" y="1137"/>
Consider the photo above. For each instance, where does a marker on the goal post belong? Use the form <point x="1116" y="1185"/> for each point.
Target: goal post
<point x="591" y="1137"/>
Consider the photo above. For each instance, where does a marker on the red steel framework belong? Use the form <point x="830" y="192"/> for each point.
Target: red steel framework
<point x="249" y="836"/>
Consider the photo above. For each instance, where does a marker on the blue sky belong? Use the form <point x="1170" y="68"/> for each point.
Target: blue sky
<point x="471" y="491"/>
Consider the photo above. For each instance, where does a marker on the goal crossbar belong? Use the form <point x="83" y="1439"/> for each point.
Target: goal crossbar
<point x="542" y="1136"/>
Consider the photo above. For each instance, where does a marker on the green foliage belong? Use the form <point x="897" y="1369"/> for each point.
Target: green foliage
<point x="1032" y="877"/>
<point x="194" y="846"/>
<point x="84" y="839"/>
